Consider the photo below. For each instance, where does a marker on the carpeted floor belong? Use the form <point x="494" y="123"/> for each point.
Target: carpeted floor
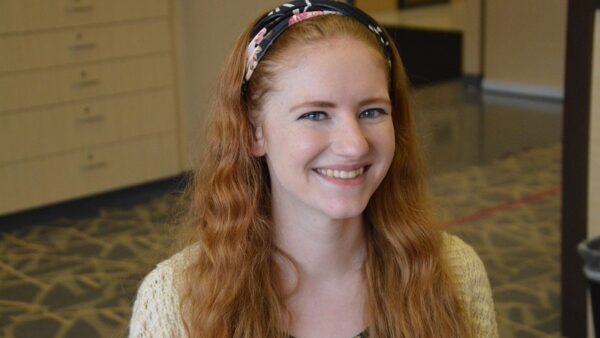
<point x="77" y="278"/>
<point x="514" y="225"/>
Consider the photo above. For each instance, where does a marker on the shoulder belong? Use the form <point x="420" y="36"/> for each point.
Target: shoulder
<point x="176" y="264"/>
<point x="472" y="283"/>
<point x="156" y="310"/>
<point x="167" y="277"/>
<point x="462" y="259"/>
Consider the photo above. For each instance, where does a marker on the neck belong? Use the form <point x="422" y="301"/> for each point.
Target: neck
<point x="324" y="249"/>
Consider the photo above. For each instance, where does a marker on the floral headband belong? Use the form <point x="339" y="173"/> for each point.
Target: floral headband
<point x="272" y="25"/>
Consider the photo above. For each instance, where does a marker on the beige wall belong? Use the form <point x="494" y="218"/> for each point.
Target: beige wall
<point x="471" y="63"/>
<point x="207" y="31"/>
<point x="525" y="44"/>
<point x="376" y="5"/>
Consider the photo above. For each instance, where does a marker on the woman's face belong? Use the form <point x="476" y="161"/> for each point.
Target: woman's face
<point x="326" y="129"/>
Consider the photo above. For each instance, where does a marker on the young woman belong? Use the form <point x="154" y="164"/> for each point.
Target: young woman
<point x="310" y="210"/>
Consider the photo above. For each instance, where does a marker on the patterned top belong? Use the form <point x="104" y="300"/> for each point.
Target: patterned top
<point x="156" y="308"/>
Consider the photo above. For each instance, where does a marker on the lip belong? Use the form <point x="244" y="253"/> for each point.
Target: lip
<point x="345" y="167"/>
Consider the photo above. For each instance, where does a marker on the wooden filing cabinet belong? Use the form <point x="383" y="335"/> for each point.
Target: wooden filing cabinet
<point x="88" y="98"/>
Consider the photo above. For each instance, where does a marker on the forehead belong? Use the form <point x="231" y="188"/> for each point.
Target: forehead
<point x="334" y="68"/>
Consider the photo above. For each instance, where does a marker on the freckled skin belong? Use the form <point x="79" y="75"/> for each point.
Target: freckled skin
<point x="331" y="109"/>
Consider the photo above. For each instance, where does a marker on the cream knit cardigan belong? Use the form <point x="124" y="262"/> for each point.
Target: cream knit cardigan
<point x="156" y="309"/>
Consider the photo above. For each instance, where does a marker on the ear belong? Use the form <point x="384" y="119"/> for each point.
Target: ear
<point x="258" y="142"/>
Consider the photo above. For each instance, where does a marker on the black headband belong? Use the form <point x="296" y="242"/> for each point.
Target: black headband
<point x="273" y="24"/>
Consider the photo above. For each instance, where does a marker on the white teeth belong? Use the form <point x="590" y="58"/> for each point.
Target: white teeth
<point x="343" y="174"/>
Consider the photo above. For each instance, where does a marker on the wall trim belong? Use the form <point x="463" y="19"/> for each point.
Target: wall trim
<point x="473" y="80"/>
<point x="512" y="88"/>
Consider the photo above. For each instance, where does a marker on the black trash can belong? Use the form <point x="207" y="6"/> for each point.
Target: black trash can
<point x="590" y="252"/>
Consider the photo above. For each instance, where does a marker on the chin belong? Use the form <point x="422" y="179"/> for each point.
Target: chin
<point x="345" y="212"/>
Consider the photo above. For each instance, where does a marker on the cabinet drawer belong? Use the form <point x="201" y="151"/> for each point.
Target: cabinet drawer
<point x="65" y="84"/>
<point x="53" y="179"/>
<point x="63" y="47"/>
<point x="29" y="15"/>
<point x="32" y="133"/>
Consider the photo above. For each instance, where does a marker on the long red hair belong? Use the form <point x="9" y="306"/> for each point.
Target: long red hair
<point x="232" y="287"/>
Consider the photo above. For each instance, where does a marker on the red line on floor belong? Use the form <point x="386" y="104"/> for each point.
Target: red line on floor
<point x="503" y="207"/>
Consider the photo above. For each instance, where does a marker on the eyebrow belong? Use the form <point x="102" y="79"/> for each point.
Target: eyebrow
<point x="328" y="104"/>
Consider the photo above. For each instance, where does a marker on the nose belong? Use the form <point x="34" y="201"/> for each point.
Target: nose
<point x="350" y="139"/>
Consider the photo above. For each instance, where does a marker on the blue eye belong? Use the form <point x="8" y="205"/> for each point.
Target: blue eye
<point x="372" y="113"/>
<point x="313" y="116"/>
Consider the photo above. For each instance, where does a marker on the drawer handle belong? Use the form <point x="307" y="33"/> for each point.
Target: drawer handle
<point x="80" y="8"/>
<point x="91" y="119"/>
<point x="82" y="46"/>
<point x="94" y="166"/>
<point x="87" y="83"/>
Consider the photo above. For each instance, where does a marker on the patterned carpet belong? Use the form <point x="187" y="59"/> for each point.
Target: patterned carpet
<point x="514" y="225"/>
<point x="77" y="278"/>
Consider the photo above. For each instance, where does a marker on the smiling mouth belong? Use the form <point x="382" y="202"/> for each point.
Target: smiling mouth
<point x="342" y="174"/>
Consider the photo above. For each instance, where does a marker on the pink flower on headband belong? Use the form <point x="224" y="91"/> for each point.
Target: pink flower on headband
<point x="259" y="37"/>
<point x="303" y="16"/>
<point x="252" y="51"/>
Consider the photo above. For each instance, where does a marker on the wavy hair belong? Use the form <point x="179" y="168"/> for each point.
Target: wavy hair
<point x="233" y="288"/>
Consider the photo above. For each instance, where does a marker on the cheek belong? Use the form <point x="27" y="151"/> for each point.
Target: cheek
<point x="294" y="138"/>
<point x="391" y="141"/>
<point x="308" y="144"/>
<point x="291" y="145"/>
<point x="387" y="147"/>
<point x="385" y="141"/>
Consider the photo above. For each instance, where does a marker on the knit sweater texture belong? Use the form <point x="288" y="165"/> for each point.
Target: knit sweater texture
<point x="156" y="311"/>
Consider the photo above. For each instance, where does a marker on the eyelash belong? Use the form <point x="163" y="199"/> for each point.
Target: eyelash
<point x="313" y="116"/>
<point x="320" y="115"/>
<point x="379" y="112"/>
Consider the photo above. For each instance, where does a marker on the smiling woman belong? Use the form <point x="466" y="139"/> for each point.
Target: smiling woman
<point x="310" y="214"/>
<point x="326" y="156"/>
